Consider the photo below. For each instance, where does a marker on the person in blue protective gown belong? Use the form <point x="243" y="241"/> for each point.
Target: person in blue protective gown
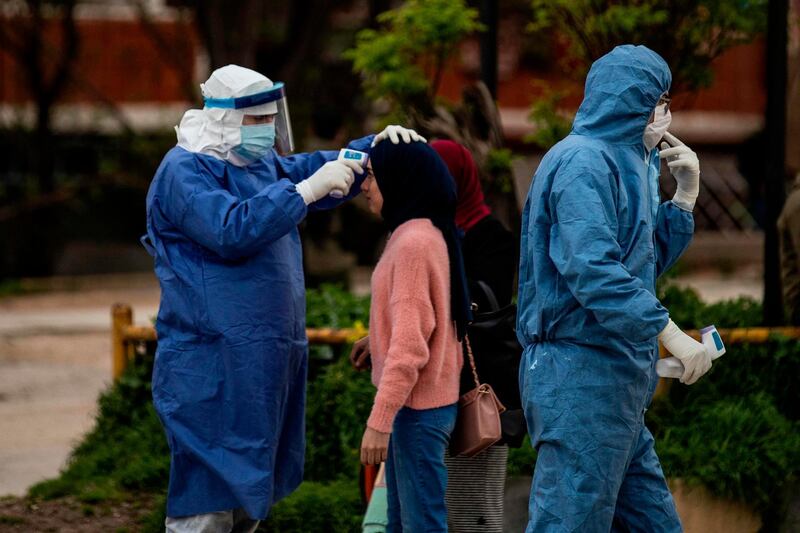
<point x="230" y="369"/>
<point x="594" y="239"/>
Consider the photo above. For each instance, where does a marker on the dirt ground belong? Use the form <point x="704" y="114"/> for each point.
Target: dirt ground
<point x="70" y="516"/>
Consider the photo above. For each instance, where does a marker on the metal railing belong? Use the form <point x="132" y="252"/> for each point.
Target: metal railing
<point x="125" y="335"/>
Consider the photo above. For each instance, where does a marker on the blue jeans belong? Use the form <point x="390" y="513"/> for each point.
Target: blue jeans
<point x="416" y="477"/>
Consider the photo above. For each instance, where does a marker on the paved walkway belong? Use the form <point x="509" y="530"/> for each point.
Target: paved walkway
<point x="55" y="358"/>
<point x="714" y="287"/>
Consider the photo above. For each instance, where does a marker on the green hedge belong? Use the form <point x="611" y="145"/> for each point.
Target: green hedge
<point x="331" y="507"/>
<point x="735" y="431"/>
<point x="689" y="312"/>
<point x="339" y="402"/>
<point x="741" y="448"/>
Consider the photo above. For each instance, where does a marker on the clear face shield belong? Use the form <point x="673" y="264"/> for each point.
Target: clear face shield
<point x="270" y="102"/>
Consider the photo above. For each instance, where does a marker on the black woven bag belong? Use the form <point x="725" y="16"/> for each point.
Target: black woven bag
<point x="497" y="355"/>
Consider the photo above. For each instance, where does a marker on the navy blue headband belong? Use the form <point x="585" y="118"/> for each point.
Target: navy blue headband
<point x="276" y="92"/>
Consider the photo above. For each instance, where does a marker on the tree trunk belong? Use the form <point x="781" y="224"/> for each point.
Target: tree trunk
<point x="230" y="31"/>
<point x="44" y="146"/>
<point x="33" y="236"/>
<point x="775" y="171"/>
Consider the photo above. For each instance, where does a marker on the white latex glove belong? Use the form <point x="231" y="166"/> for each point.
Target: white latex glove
<point x="685" y="167"/>
<point x="394" y="133"/>
<point x="332" y="176"/>
<point x="694" y="356"/>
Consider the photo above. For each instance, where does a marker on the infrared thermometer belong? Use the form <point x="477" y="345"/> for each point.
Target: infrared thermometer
<point x="346" y="154"/>
<point x="671" y="367"/>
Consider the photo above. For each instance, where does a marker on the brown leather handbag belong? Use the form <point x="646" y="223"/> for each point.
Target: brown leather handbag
<point x="478" y="421"/>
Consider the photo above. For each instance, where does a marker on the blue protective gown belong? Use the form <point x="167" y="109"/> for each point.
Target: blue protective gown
<point x="230" y="370"/>
<point x="594" y="239"/>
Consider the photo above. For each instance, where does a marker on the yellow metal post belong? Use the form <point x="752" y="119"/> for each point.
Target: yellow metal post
<point x="124" y="334"/>
<point x="121" y="318"/>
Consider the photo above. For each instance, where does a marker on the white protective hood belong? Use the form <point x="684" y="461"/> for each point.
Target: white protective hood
<point x="215" y="131"/>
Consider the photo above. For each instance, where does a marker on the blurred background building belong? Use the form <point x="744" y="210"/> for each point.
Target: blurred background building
<point x="90" y="92"/>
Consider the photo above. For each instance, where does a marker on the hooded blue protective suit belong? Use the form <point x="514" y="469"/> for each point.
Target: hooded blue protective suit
<point x="230" y="371"/>
<point x="594" y="239"/>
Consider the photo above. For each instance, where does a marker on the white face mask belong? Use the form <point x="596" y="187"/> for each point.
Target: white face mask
<point x="656" y="129"/>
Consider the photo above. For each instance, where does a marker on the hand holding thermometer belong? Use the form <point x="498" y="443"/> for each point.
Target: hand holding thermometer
<point x="671" y="367"/>
<point x="351" y="155"/>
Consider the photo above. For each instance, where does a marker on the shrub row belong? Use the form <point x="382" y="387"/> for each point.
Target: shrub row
<point x="735" y="431"/>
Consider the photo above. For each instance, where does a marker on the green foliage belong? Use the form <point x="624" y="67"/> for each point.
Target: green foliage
<point x="550" y="125"/>
<point x="15" y="287"/>
<point x="154" y="522"/>
<point x="331" y="306"/>
<point x="499" y="160"/>
<point x="334" y="507"/>
<point x="741" y="448"/>
<point x="11" y="520"/>
<point x="770" y="368"/>
<point x="687" y="310"/>
<point x="405" y="70"/>
<point x="688" y="34"/>
<point x="339" y="402"/>
<point x="522" y="460"/>
<point x="736" y="430"/>
<point x="498" y="167"/>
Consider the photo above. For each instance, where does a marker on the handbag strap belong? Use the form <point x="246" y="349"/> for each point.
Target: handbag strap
<point x="472" y="362"/>
<point x="489" y="293"/>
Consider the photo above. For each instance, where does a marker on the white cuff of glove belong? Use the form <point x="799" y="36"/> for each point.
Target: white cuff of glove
<point x="670" y="331"/>
<point x="684" y="200"/>
<point x="304" y="190"/>
<point x="694" y="356"/>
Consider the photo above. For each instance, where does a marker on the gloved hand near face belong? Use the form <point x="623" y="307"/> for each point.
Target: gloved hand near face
<point x="685" y="167"/>
<point x="332" y="176"/>
<point x="694" y="356"/>
<point x="395" y="133"/>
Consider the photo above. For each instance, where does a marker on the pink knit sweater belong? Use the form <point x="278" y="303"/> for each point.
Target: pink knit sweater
<point x="416" y="357"/>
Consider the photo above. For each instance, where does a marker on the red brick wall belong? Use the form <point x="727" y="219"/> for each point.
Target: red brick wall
<point x="117" y="59"/>
<point x="120" y="60"/>
<point x="738" y="84"/>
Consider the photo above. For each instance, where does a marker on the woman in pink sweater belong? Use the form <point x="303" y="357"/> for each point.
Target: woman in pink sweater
<point x="419" y="313"/>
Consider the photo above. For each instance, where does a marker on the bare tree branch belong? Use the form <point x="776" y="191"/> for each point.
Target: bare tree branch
<point x="67" y="58"/>
<point x="36" y="59"/>
<point x="175" y="52"/>
<point x="230" y="30"/>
